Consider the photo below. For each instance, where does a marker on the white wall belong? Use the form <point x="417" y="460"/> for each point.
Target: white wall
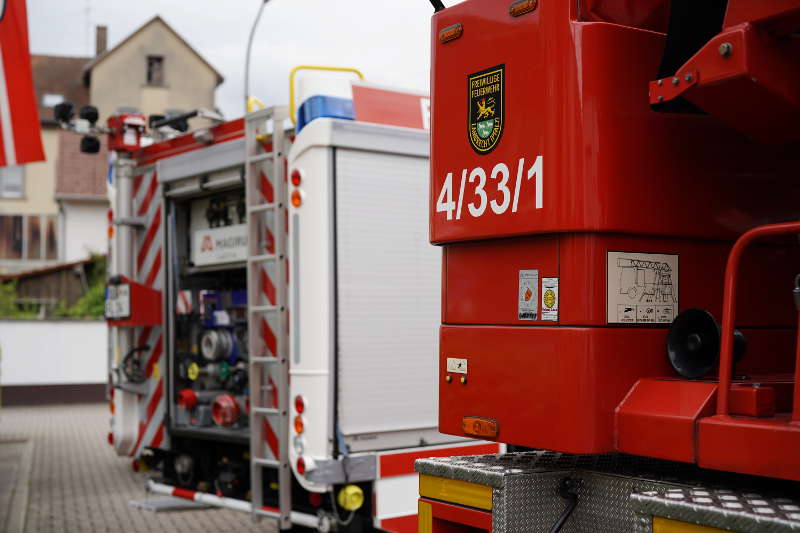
<point x="85" y="229"/>
<point x="39" y="352"/>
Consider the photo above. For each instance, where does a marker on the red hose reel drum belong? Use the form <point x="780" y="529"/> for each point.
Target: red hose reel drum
<point x="225" y="410"/>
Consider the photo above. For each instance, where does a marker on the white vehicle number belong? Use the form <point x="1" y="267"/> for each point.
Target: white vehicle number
<point x="480" y="181"/>
<point x="118" y="301"/>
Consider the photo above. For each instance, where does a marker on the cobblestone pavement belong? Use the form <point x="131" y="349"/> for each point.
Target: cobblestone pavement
<point x="78" y="484"/>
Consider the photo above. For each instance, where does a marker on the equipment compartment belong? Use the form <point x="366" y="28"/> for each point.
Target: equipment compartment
<point x="210" y="370"/>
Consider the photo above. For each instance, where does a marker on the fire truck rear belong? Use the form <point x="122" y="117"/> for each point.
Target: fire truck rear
<point x="272" y="307"/>
<point x="613" y="186"/>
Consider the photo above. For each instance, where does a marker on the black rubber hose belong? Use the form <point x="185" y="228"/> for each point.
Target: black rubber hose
<point x="437" y="5"/>
<point x="569" y="491"/>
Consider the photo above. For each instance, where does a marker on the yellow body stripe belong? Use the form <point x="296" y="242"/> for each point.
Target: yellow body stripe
<point x="665" y="525"/>
<point x="455" y="491"/>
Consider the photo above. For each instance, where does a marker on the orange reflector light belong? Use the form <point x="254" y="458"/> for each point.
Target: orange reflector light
<point x="301" y="465"/>
<point x="297" y="177"/>
<point x="451" y="33"/>
<point x="299" y="424"/>
<point x="297" y="198"/>
<point x="111" y="232"/>
<point x="299" y="404"/>
<point x="520" y="7"/>
<point x="487" y="428"/>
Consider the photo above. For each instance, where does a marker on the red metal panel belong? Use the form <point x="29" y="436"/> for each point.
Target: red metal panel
<point x="390" y="107"/>
<point x="548" y="387"/>
<point x="400" y="524"/>
<point x="577" y="97"/>
<point x="226" y="131"/>
<point x="750" y="446"/>
<point x="481" y="279"/>
<point x="658" y="418"/>
<point x="758" y="69"/>
<point x="449" y="518"/>
<point x="753" y="401"/>
<point x="145" y="307"/>
<point x="645" y="14"/>
<point x="759" y="11"/>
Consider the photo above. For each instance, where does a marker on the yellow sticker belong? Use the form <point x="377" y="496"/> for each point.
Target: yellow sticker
<point x="550" y="299"/>
<point x="156" y="372"/>
<point x="193" y="371"/>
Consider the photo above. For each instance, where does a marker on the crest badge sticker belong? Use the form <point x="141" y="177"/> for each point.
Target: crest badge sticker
<point x="487" y="92"/>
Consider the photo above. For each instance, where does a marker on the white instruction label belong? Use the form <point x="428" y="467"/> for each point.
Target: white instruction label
<point x="457" y="366"/>
<point x="226" y="244"/>
<point x="642" y="288"/>
<point x="528" y="295"/>
<point x="550" y="299"/>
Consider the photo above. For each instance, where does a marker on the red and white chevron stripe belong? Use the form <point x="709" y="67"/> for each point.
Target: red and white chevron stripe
<point x="267" y="285"/>
<point x="149" y="268"/>
<point x="268" y="322"/>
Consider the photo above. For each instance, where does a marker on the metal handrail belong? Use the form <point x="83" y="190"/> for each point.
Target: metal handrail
<point x="729" y="313"/>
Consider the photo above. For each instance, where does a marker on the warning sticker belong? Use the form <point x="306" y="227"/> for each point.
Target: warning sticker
<point x="642" y="288"/>
<point x="456" y="365"/>
<point x="550" y="299"/>
<point x="528" y="295"/>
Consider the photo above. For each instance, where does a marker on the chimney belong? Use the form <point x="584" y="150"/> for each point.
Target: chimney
<point x="100" y="39"/>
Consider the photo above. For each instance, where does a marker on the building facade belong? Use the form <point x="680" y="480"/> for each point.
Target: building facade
<point x="57" y="210"/>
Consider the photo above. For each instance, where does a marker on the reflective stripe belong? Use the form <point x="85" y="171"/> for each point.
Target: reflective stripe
<point x="455" y="491"/>
<point x="665" y="525"/>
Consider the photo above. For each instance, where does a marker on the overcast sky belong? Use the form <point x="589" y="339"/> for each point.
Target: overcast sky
<point x="387" y="39"/>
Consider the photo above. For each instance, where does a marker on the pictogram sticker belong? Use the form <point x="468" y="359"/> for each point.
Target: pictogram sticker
<point x="527" y="309"/>
<point x="456" y="365"/>
<point x="642" y="288"/>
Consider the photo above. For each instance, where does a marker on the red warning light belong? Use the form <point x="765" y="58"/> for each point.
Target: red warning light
<point x="297" y="177"/>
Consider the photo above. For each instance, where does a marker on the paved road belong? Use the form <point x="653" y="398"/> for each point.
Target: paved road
<point x="77" y="484"/>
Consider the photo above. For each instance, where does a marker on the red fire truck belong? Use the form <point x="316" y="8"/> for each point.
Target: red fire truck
<point x="614" y="188"/>
<point x="272" y="303"/>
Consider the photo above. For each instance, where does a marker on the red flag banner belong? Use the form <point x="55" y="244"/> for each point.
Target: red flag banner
<point x="20" y="136"/>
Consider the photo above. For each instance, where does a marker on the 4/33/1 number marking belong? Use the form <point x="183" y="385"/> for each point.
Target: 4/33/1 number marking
<point x="504" y="194"/>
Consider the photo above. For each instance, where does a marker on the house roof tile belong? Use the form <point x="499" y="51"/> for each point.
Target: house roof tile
<point x="59" y="75"/>
<point x="78" y="175"/>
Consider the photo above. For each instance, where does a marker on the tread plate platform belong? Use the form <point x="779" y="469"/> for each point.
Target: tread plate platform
<point x="619" y="493"/>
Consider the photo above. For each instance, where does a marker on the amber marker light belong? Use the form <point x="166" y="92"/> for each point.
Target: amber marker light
<point x="521" y="7"/>
<point x="299" y="424"/>
<point x="297" y="198"/>
<point x="451" y="33"/>
<point x="477" y="426"/>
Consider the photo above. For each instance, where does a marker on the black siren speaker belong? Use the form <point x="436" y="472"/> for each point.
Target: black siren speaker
<point x="693" y="343"/>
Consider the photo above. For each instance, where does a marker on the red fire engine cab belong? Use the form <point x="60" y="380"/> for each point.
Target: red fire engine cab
<point x="614" y="189"/>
